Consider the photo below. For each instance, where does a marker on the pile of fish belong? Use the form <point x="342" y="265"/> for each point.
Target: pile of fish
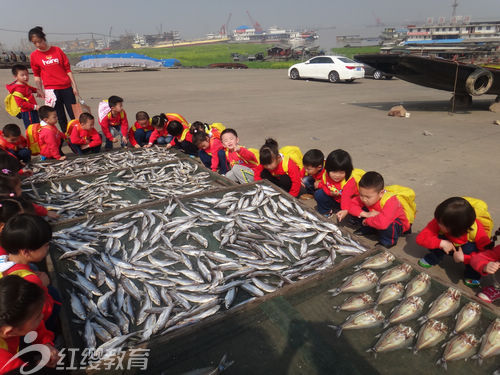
<point x="103" y="193"/>
<point x="102" y="162"/>
<point x="461" y="345"/>
<point x="138" y="274"/>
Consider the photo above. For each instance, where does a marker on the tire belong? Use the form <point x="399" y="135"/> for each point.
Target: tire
<point x="333" y="76"/>
<point x="294" y="74"/>
<point x="377" y="74"/>
<point x="479" y="82"/>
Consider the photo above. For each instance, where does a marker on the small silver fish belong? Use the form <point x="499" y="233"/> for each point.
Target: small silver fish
<point x="419" y="285"/>
<point x="355" y="303"/>
<point x="394" y="274"/>
<point x="461" y="346"/>
<point x="378" y="261"/>
<point x="444" y="305"/>
<point x="467" y="317"/>
<point x="390" y="293"/>
<point x="408" y="309"/>
<point x="394" y="338"/>
<point x="491" y="342"/>
<point x="359" y="282"/>
<point x="362" y="319"/>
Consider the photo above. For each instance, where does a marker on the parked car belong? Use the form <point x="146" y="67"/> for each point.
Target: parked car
<point x="375" y="73"/>
<point x="331" y="68"/>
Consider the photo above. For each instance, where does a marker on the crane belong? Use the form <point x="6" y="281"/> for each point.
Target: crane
<point x="224" y="29"/>
<point x="256" y="25"/>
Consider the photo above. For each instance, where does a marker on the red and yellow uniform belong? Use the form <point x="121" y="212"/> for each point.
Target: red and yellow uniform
<point x="214" y="147"/>
<point x="27" y="92"/>
<point x="5" y="145"/>
<point x="185" y="136"/>
<point x="50" y="139"/>
<point x="135" y="127"/>
<point x="243" y="157"/>
<point x="80" y="136"/>
<point x="342" y="192"/>
<point x="286" y="167"/>
<point x="479" y="260"/>
<point x="157" y="134"/>
<point x="119" y="120"/>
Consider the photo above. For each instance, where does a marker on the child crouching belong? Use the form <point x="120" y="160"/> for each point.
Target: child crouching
<point x="242" y="162"/>
<point x="12" y="141"/>
<point x="84" y="139"/>
<point x="211" y="152"/>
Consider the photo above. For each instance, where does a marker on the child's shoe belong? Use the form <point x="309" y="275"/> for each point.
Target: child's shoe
<point x="472" y="283"/>
<point x="423" y="263"/>
<point x="43" y="158"/>
<point x="489" y="294"/>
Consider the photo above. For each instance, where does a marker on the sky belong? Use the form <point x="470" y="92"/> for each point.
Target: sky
<point x="195" y="18"/>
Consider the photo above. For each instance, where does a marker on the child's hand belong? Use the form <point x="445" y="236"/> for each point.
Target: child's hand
<point x="27" y="172"/>
<point x="169" y="146"/>
<point x="53" y="215"/>
<point x="148" y="145"/>
<point x="54" y="356"/>
<point x="115" y="139"/>
<point x="369" y="214"/>
<point x="84" y="147"/>
<point x="62" y="157"/>
<point x="491" y="267"/>
<point x="316" y="184"/>
<point x="341" y="215"/>
<point x="447" y="246"/>
<point x="237" y="148"/>
<point x="458" y="255"/>
<point x="43" y="277"/>
<point x="139" y="146"/>
<point x="124" y="140"/>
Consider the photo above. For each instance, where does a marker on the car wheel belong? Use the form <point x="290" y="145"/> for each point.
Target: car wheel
<point x="333" y="77"/>
<point x="294" y="74"/>
<point x="377" y="74"/>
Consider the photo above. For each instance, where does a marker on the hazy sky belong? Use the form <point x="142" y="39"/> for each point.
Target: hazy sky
<point x="195" y="18"/>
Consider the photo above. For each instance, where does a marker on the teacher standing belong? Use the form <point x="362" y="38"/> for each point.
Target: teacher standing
<point x="53" y="77"/>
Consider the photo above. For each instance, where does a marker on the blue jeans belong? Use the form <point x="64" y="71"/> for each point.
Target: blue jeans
<point x="29" y="118"/>
<point x="142" y="137"/>
<point x="23" y="154"/>
<point x="326" y="203"/>
<point x="387" y="237"/>
<point x="207" y="160"/>
<point x="308" y="182"/>
<point x="164" y="140"/>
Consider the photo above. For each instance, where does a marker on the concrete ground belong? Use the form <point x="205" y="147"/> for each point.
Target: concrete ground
<point x="459" y="157"/>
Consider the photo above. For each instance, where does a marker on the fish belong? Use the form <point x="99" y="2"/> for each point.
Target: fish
<point x="356" y="303"/>
<point x="418" y="286"/>
<point x="394" y="338"/>
<point x="363" y="319"/>
<point x="359" y="282"/>
<point x="408" y="309"/>
<point x="462" y="346"/>
<point x="395" y="274"/>
<point x="444" y="305"/>
<point x="390" y="293"/>
<point x="430" y="334"/>
<point x="378" y="261"/>
<point x="467" y="317"/>
<point x="490" y="342"/>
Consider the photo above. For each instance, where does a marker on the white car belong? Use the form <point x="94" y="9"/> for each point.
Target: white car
<point x="331" y="68"/>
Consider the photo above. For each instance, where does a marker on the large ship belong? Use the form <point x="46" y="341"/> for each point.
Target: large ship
<point x="249" y="34"/>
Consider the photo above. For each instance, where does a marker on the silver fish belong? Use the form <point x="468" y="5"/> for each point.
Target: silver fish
<point x="390" y="293"/>
<point x="378" y="261"/>
<point x="359" y="282"/>
<point x="363" y="319"/>
<point x="355" y="303"/>
<point x="467" y="317"/>
<point x="419" y="285"/>
<point x="461" y="346"/>
<point x="408" y="309"/>
<point x="491" y="342"/>
<point x="430" y="334"/>
<point x="394" y="338"/>
<point x="395" y="274"/>
<point x="444" y="305"/>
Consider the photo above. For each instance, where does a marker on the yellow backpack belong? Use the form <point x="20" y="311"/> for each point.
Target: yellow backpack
<point x="291" y="152"/>
<point x="10" y="103"/>
<point x="406" y="197"/>
<point x="256" y="153"/>
<point x="33" y="136"/>
<point x="482" y="214"/>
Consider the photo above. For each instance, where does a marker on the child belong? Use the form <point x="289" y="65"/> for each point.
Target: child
<point x="381" y="211"/>
<point x="160" y="133"/>
<point x="313" y="170"/>
<point x="182" y="138"/>
<point x="84" y="138"/>
<point x="454" y="226"/>
<point x="111" y="120"/>
<point x="14" y="143"/>
<point x="50" y="138"/>
<point x="141" y="131"/>
<point x="281" y="171"/>
<point x="8" y="161"/>
<point x="242" y="162"/>
<point x="21" y="304"/>
<point x="211" y="152"/>
<point x="23" y="94"/>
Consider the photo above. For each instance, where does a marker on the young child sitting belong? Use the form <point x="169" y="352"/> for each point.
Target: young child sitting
<point x="84" y="139"/>
<point x="242" y="162"/>
<point x="281" y="171"/>
<point x="211" y="152"/>
<point x="12" y="141"/>
<point x="381" y="212"/>
<point x="112" y="118"/>
<point x="454" y="226"/>
<point x="141" y="131"/>
<point x="313" y="170"/>
<point x="8" y="161"/>
<point x="23" y="94"/>
<point x="50" y="138"/>
<point x="160" y="133"/>
<point x="182" y="138"/>
<point x="21" y="305"/>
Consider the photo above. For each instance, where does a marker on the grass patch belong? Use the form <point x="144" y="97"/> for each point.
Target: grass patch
<point x="351" y="51"/>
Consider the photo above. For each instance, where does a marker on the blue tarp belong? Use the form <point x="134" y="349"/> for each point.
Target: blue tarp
<point x="165" y="62"/>
<point x="435" y="41"/>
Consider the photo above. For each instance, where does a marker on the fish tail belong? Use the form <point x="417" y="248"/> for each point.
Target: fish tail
<point x="414" y="350"/>
<point x="336" y="328"/>
<point x="356" y="267"/>
<point x="442" y="362"/>
<point x="224" y="363"/>
<point x="372" y="350"/>
<point x="335" y="292"/>
<point x="386" y="323"/>
<point x="422" y="319"/>
<point x="337" y="308"/>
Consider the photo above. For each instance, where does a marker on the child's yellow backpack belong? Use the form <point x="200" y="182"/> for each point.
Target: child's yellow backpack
<point x="70" y="126"/>
<point x="10" y="103"/>
<point x="482" y="214"/>
<point x="291" y="152"/>
<point x="216" y="129"/>
<point x="256" y="153"/>
<point x="406" y="197"/>
<point x="33" y="137"/>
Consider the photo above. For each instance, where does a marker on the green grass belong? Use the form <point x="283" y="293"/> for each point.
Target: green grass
<point x="199" y="56"/>
<point x="351" y="51"/>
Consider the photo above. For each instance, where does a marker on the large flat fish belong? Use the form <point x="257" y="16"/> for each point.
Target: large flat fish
<point x="491" y="341"/>
<point x="430" y="334"/>
<point x="419" y="285"/>
<point x="378" y="261"/>
<point x="390" y="293"/>
<point x="355" y="303"/>
<point x="408" y="309"/>
<point x="395" y="274"/>
<point x="444" y="305"/>
<point x="363" y="319"/>
<point x="394" y="338"/>
<point x="359" y="282"/>
<point x="467" y="317"/>
<point x="461" y="346"/>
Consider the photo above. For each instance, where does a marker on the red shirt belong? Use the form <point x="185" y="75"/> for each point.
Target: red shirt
<point x="52" y="66"/>
<point x="293" y="173"/>
<point x="214" y="147"/>
<point x="185" y="136"/>
<point x="243" y="157"/>
<point x="109" y="120"/>
<point x="39" y="210"/>
<point x="317" y="177"/>
<point x="157" y="134"/>
<point x="50" y="139"/>
<point x="429" y="236"/>
<point x="391" y="211"/>
<point x="342" y="194"/>
<point x="131" y="131"/>
<point x="4" y="144"/>
<point x="25" y="90"/>
<point x="479" y="260"/>
<point x="80" y="136"/>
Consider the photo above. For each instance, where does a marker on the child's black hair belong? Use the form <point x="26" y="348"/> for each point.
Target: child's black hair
<point x="372" y="180"/>
<point x="339" y="160"/>
<point x="8" y="181"/>
<point x="158" y="122"/>
<point x="456" y="214"/>
<point x="18" y="68"/>
<point x="19" y="300"/>
<point x="84" y="117"/>
<point x="113" y="100"/>
<point x="200" y="137"/>
<point x="25" y="232"/>
<point x="9" y="162"/>
<point x="197" y="127"/>
<point x="37" y="31"/>
<point x="175" y="128"/>
<point x="13" y="206"/>
<point x="313" y="158"/>
<point x="141" y="115"/>
<point x="228" y="131"/>
<point x="11" y="130"/>
<point x="269" y="152"/>
<point x="44" y="111"/>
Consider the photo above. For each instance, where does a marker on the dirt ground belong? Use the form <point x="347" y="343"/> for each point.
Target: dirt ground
<point x="459" y="157"/>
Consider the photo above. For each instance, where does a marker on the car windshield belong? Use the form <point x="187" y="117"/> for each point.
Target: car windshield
<point x="346" y="60"/>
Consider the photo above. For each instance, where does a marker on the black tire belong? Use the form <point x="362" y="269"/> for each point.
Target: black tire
<point x="333" y="76"/>
<point x="479" y="82"/>
<point x="377" y="74"/>
<point x="294" y="74"/>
